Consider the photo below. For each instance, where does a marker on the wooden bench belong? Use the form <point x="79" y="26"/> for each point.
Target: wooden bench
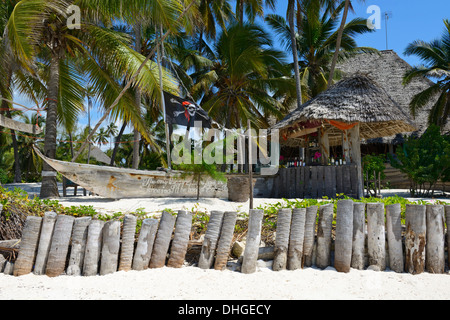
<point x="70" y="184"/>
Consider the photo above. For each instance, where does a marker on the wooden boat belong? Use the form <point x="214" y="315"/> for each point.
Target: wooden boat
<point x="119" y="183"/>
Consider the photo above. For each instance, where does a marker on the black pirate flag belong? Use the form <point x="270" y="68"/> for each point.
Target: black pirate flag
<point x="184" y="112"/>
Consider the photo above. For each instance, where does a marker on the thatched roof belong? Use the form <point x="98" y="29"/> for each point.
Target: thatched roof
<point x="354" y="99"/>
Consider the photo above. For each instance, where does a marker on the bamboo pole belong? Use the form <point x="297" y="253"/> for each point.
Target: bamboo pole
<point x="60" y="246"/>
<point x="253" y="241"/>
<point x="28" y="246"/>
<point x="344" y="232"/>
<point x="415" y="238"/>
<point x="394" y="236"/>
<point x="145" y="243"/>
<point x="324" y="232"/>
<point x="435" y="249"/>
<point x="211" y="239"/>
<point x="48" y="224"/>
<point x="110" y="247"/>
<point x="93" y="248"/>
<point x="282" y="239"/>
<point x="296" y="239"/>
<point x="162" y="241"/>
<point x="128" y="240"/>
<point x="225" y="239"/>
<point x="376" y="239"/>
<point x="359" y="235"/>
<point x="310" y="233"/>
<point x="78" y="248"/>
<point x="180" y="241"/>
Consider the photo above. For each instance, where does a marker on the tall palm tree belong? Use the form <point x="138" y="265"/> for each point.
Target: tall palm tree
<point x="436" y="56"/>
<point x="101" y="138"/>
<point x="111" y="130"/>
<point x="253" y="9"/>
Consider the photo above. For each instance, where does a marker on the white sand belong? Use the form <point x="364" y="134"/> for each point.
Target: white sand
<point x="197" y="284"/>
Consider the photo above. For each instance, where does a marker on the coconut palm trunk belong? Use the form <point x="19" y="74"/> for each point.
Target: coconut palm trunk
<point x="296" y="239"/>
<point x="128" y="239"/>
<point x="211" y="238"/>
<point x="45" y="239"/>
<point x="225" y="239"/>
<point x="78" y="247"/>
<point x="162" y="241"/>
<point x="291" y="15"/>
<point x="59" y="248"/>
<point x="180" y="239"/>
<point x="282" y="239"/>
<point x="28" y="246"/>
<point x="137" y="135"/>
<point x="144" y="246"/>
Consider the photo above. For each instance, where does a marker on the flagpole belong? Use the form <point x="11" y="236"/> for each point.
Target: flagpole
<point x="160" y="49"/>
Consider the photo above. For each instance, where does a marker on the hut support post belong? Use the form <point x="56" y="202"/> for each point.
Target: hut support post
<point x="324" y="146"/>
<point x="355" y="148"/>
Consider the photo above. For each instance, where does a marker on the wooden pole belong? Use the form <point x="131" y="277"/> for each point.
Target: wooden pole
<point x="435" y="250"/>
<point x="250" y="163"/>
<point x="162" y="241"/>
<point x="253" y="241"/>
<point x="225" y="239"/>
<point x="78" y="247"/>
<point x="128" y="240"/>
<point x="28" y="246"/>
<point x="145" y="243"/>
<point x="180" y="239"/>
<point x="376" y="239"/>
<point x="282" y="239"/>
<point x="211" y="239"/>
<point x="415" y="238"/>
<point x="447" y="220"/>
<point x="355" y="145"/>
<point x="359" y="235"/>
<point x="93" y="248"/>
<point x="296" y="239"/>
<point x="324" y="232"/>
<point x="60" y="246"/>
<point x="344" y="232"/>
<point x="394" y="236"/>
<point x="310" y="233"/>
<point x="48" y="224"/>
<point x="110" y="247"/>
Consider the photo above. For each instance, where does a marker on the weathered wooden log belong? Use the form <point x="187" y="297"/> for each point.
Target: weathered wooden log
<point x="28" y="246"/>
<point x="128" y="240"/>
<point x="253" y="241"/>
<point x="93" y="248"/>
<point x="359" y="235"/>
<point x="78" y="248"/>
<point x="394" y="236"/>
<point x="145" y="243"/>
<point x="48" y="224"/>
<point x="310" y="234"/>
<point x="282" y="239"/>
<point x="296" y="239"/>
<point x="447" y="220"/>
<point x="225" y="239"/>
<point x="435" y="249"/>
<point x="59" y="248"/>
<point x="210" y="241"/>
<point x="110" y="247"/>
<point x="180" y="241"/>
<point x="344" y="233"/>
<point x="162" y="241"/>
<point x="324" y="232"/>
<point x="376" y="236"/>
<point x="415" y="238"/>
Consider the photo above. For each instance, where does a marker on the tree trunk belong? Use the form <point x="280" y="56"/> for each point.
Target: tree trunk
<point x="415" y="238"/>
<point x="138" y="97"/>
<point x="359" y="235"/>
<point x="48" y="225"/>
<point x="128" y="240"/>
<point x="211" y="239"/>
<point x="376" y="239"/>
<point x="49" y="186"/>
<point x="344" y="233"/>
<point x="253" y="241"/>
<point x="93" y="248"/>
<point x="447" y="220"/>
<point x="59" y="249"/>
<point x="110" y="248"/>
<point x="144" y="246"/>
<point x="282" y="239"/>
<point x="28" y="246"/>
<point x="324" y="229"/>
<point x="116" y="145"/>
<point x="338" y="42"/>
<point x="78" y="248"/>
<point x="225" y="239"/>
<point x="17" y="171"/>
<point x="199" y="179"/>
<point x="291" y="15"/>
<point x="435" y="250"/>
<point x="162" y="241"/>
<point x="310" y="234"/>
<point x="180" y="241"/>
<point x="394" y="236"/>
<point x="296" y="239"/>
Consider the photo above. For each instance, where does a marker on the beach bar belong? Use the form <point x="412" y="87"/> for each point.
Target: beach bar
<point x="327" y="132"/>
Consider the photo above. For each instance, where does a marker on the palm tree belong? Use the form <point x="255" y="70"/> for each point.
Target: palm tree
<point x="253" y="9"/>
<point x="436" y="55"/>
<point x="111" y="130"/>
<point x="101" y="138"/>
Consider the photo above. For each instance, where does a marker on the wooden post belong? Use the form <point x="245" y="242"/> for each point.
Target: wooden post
<point x="296" y="239"/>
<point x="250" y="162"/>
<point x="253" y="241"/>
<point x="415" y="238"/>
<point x="93" y="248"/>
<point x="324" y="229"/>
<point x="310" y="234"/>
<point x="447" y="220"/>
<point x="48" y="224"/>
<point x="359" y="235"/>
<point x="355" y="145"/>
<point x="210" y="241"/>
<point x="78" y="248"/>
<point x="60" y="246"/>
<point x="128" y="240"/>
<point x="394" y="236"/>
<point x="28" y="246"/>
<point x="282" y="239"/>
<point x="376" y="239"/>
<point x="435" y="250"/>
<point x="162" y="241"/>
<point x="344" y="232"/>
<point x="225" y="238"/>
<point x="180" y="241"/>
<point x="324" y="145"/>
<point x="110" y="248"/>
<point x="144" y="246"/>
